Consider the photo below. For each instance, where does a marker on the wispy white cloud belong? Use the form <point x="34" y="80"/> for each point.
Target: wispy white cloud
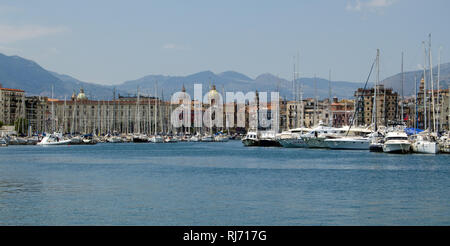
<point x="10" y="34"/>
<point x="172" y="46"/>
<point x="369" y="5"/>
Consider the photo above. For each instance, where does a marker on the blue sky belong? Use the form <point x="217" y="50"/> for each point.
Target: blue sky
<point x="110" y="42"/>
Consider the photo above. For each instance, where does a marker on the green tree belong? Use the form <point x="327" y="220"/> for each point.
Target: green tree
<point x="21" y="126"/>
<point x="1" y="124"/>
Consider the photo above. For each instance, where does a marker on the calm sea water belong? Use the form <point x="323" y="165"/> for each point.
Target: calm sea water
<point x="219" y="184"/>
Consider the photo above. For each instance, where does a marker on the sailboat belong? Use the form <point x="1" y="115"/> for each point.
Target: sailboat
<point x="156" y="138"/>
<point x="138" y="137"/>
<point x="425" y="142"/>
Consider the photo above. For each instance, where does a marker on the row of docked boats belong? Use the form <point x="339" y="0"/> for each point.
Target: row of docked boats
<point x="392" y="139"/>
<point x="60" y="139"/>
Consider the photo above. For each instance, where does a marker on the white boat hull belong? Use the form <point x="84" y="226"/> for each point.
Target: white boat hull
<point x="397" y="147"/>
<point x="315" y="142"/>
<point x="62" y="142"/>
<point x="348" y="143"/>
<point x="426" y="147"/>
<point x="157" y="140"/>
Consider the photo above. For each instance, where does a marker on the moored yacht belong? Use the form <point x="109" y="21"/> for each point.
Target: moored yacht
<point x="264" y="139"/>
<point x="170" y="139"/>
<point x="157" y="139"/>
<point x="140" y="138"/>
<point x="194" y="138"/>
<point x="424" y="143"/>
<point x="292" y="138"/>
<point x="396" y="142"/>
<point x="54" y="139"/>
<point x="221" y="137"/>
<point x="316" y="137"/>
<point x="114" y="139"/>
<point x="358" y="143"/>
<point x="207" y="138"/>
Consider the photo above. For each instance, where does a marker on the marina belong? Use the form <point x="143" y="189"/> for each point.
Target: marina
<point x="224" y="113"/>
<point x="205" y="183"/>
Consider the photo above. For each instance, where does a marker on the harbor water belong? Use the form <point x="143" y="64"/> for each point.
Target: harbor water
<point x="219" y="184"/>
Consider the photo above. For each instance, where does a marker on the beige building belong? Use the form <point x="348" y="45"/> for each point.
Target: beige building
<point x="12" y="105"/>
<point x="123" y="115"/>
<point x="386" y="106"/>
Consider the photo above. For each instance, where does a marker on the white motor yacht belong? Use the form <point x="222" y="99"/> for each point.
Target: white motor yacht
<point x="157" y="139"/>
<point x="261" y="138"/>
<point x="292" y="138"/>
<point x="140" y="138"/>
<point x="316" y="137"/>
<point x="221" y="138"/>
<point x="171" y="140"/>
<point x="358" y="143"/>
<point x="114" y="139"/>
<point x="54" y="139"/>
<point x="208" y="138"/>
<point x="194" y="139"/>
<point x="396" y="142"/>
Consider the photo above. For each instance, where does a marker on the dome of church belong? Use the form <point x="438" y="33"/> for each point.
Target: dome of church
<point x="81" y="95"/>
<point x="213" y="94"/>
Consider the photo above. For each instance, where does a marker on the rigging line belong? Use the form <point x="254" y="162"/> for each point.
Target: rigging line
<point x="361" y="96"/>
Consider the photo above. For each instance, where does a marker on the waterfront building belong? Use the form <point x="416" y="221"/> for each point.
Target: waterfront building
<point x="12" y="105"/>
<point x="441" y="107"/>
<point x="342" y="112"/>
<point x="386" y="106"/>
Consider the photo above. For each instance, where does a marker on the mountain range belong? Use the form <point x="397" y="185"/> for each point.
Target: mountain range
<point x="21" y="73"/>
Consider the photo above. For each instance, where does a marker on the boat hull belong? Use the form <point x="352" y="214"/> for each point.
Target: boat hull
<point x="63" y="142"/>
<point x="425" y="147"/>
<point x="315" y="142"/>
<point x="401" y="148"/>
<point x="356" y="144"/>
<point x="376" y="147"/>
<point x="261" y="143"/>
<point x="292" y="143"/>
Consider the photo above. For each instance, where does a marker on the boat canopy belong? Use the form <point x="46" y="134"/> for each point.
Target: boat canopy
<point x="412" y="131"/>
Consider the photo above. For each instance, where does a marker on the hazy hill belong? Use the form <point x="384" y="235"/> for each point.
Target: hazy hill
<point x="234" y="81"/>
<point x="408" y="86"/>
<point x="17" y="72"/>
<point x="20" y="73"/>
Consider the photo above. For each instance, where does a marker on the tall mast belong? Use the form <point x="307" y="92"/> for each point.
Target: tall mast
<point x="64" y="115"/>
<point x="162" y="111"/>
<point x="425" y="86"/>
<point x="53" y="114"/>
<point x="98" y="118"/>
<point x="438" y="88"/>
<point x="138" y="120"/>
<point x="114" y="110"/>
<point x="432" y="84"/>
<point x="315" y="100"/>
<point x="301" y="106"/>
<point x="415" y="102"/>
<point x="149" y="130"/>
<point x="403" y="78"/>
<point x="374" y="113"/>
<point x="156" y="107"/>
<point x="329" y="100"/>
